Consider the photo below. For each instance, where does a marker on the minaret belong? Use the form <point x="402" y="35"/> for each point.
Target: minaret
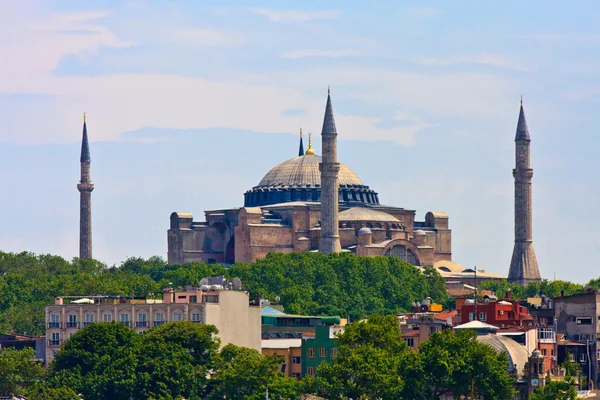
<point x="301" y="149"/>
<point x="523" y="266"/>
<point x="85" y="187"/>
<point x="329" y="167"/>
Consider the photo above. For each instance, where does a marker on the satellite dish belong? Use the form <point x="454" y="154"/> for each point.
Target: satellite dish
<point x="277" y="298"/>
<point x="203" y="281"/>
<point x="237" y="283"/>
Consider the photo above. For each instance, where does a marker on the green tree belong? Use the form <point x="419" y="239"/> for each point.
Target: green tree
<point x="41" y="391"/>
<point x="556" y="390"/>
<point x="571" y="368"/>
<point x="18" y="370"/>
<point x="175" y="360"/>
<point x="99" y="362"/>
<point x="243" y="374"/>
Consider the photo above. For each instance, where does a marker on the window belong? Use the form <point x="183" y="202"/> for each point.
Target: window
<point x="410" y="342"/>
<point x="55" y="339"/>
<point x="311" y="371"/>
<point x="193" y="299"/>
<point x="311" y="353"/>
<point x="402" y="253"/>
<point x="107" y="317"/>
<point x="209" y="298"/>
<point x="471" y="316"/>
<point x="296" y="360"/>
<point x="142" y="321"/>
<point x="552" y="353"/>
<point x="581" y="357"/>
<point x="177" y="316"/>
<point x="159" y="319"/>
<point x="483" y="316"/>
<point x="500" y="312"/>
<point x="544" y="352"/>
<point x="433" y="329"/>
<point x="322" y="352"/>
<point x="54" y="321"/>
<point x="72" y="321"/>
<point x="125" y="319"/>
<point x="89" y="318"/>
<point x="334" y="352"/>
<point x="296" y="375"/>
<point x="584" y="321"/>
<point x="195" y="317"/>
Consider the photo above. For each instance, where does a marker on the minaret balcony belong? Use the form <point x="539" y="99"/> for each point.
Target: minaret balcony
<point x="85" y="187"/>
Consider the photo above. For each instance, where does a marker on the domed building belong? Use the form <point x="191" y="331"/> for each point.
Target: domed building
<point x="283" y="214"/>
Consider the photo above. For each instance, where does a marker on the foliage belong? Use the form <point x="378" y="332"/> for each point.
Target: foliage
<point x="545" y="287"/>
<point x="373" y="362"/>
<point x="314" y="284"/>
<point x="340" y="284"/>
<point x="175" y="360"/>
<point x="18" y="370"/>
<point x="556" y="390"/>
<point x="571" y="367"/>
<point x="244" y="374"/>
<point x="42" y="391"/>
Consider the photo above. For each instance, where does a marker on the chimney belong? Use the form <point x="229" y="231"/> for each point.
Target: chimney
<point x="509" y="294"/>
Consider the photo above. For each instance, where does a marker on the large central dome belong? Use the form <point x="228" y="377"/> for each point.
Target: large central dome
<point x="299" y="179"/>
<point x="304" y="171"/>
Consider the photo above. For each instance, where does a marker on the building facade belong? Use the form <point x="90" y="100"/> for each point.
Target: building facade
<point x="287" y="212"/>
<point x="319" y="347"/>
<point x="228" y="309"/>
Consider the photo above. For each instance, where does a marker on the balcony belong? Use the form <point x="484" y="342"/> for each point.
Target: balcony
<point x="141" y="324"/>
<point x="87" y="323"/>
<point x="196" y="321"/>
<point x="72" y="324"/>
<point x="53" y="342"/>
<point x="159" y="323"/>
<point x="126" y="323"/>
<point x="53" y="325"/>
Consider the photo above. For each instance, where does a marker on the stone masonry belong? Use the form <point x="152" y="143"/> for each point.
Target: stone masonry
<point x="85" y="187"/>
<point x="329" y="167"/>
<point x="523" y="266"/>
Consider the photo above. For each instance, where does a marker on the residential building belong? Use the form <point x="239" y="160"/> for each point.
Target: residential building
<point x="290" y="350"/>
<point x="416" y="328"/>
<point x="215" y="301"/>
<point x="20" y="342"/>
<point x="279" y="325"/>
<point x="504" y="313"/>
<point x="319" y="347"/>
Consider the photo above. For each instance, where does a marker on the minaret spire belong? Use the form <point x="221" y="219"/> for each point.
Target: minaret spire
<point x="301" y="150"/>
<point x="329" y="241"/>
<point x="523" y="265"/>
<point x="85" y="188"/>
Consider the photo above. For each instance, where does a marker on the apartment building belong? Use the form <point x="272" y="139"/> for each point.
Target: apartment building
<point x="215" y="301"/>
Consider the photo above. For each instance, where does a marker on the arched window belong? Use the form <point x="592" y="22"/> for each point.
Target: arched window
<point x="402" y="253"/>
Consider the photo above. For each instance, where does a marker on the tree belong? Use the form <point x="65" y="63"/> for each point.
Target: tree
<point x="175" y="360"/>
<point x="244" y="374"/>
<point x="42" y="391"/>
<point x="556" y="390"/>
<point x="18" y="370"/>
<point x="99" y="361"/>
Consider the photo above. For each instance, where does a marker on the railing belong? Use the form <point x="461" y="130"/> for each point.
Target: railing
<point x="159" y="323"/>
<point x="53" y="325"/>
<point x="87" y="323"/>
<point x="72" y="324"/>
<point x="126" y="323"/>
<point x="141" y="324"/>
<point x="53" y="342"/>
<point x="196" y="321"/>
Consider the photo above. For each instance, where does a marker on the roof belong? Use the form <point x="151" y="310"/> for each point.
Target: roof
<point x="439" y="214"/>
<point x="85" y="146"/>
<point x="328" y="119"/>
<point x="468" y="292"/>
<point x="444" y="315"/>
<point x="477" y="325"/>
<point x="517" y="353"/>
<point x="366" y="214"/>
<point x="450" y="268"/>
<point x="304" y="171"/>
<point x="270" y="311"/>
<point x="280" y="343"/>
<point x="522" y="130"/>
<point x="414" y="332"/>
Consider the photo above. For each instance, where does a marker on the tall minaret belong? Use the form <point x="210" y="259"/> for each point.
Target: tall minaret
<point x="523" y="266"/>
<point x="85" y="187"/>
<point x="329" y="167"/>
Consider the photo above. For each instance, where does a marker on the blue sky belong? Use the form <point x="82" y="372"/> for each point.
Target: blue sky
<point x="189" y="103"/>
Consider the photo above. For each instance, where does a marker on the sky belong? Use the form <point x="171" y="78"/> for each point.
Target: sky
<point x="190" y="103"/>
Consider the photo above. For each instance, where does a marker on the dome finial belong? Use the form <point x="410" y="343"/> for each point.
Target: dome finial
<point x="84" y="118"/>
<point x="521" y="99"/>
<point x="328" y="89"/>
<point x="310" y="151"/>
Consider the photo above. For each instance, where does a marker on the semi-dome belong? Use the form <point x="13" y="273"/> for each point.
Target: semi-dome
<point x="299" y="179"/>
<point x="366" y="214"/>
<point x="304" y="171"/>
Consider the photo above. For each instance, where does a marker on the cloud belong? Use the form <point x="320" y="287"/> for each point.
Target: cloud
<point x="296" y="54"/>
<point x="295" y="16"/>
<point x="488" y="59"/>
<point x="204" y="37"/>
